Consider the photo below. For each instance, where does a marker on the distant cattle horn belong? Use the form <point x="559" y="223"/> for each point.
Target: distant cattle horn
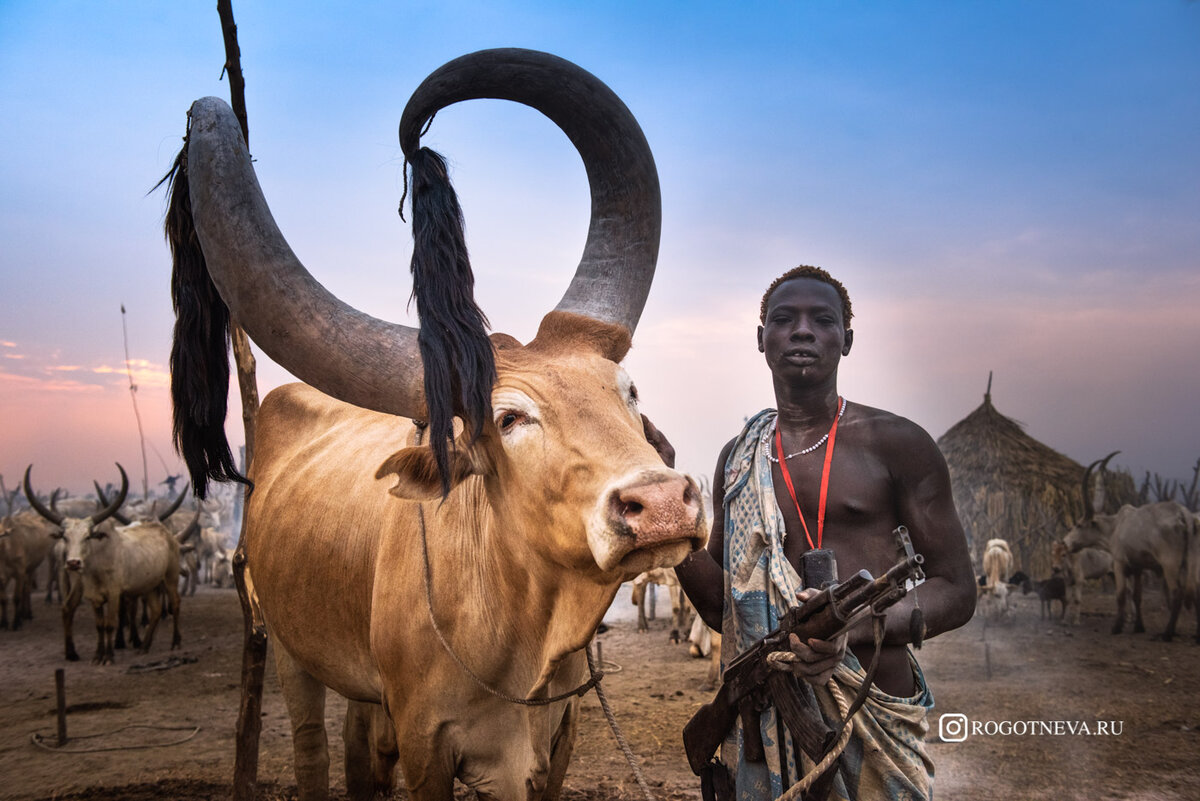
<point x="614" y="274"/>
<point x="1089" y="509"/>
<point x="174" y="507"/>
<point x="102" y="501"/>
<point x="112" y="508"/>
<point x="39" y="507"/>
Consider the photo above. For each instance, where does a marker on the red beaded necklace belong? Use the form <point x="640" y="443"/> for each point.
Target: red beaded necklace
<point x="787" y="479"/>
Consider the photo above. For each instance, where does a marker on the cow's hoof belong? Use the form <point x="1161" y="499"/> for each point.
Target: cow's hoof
<point x="72" y="656"/>
<point x="1139" y="629"/>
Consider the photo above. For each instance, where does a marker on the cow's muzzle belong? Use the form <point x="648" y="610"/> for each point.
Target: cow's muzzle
<point x="655" y="511"/>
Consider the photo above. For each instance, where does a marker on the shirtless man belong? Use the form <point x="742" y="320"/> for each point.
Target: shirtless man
<point x="883" y="471"/>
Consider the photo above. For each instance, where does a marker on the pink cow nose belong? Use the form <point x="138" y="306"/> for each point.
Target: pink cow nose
<point x="656" y="511"/>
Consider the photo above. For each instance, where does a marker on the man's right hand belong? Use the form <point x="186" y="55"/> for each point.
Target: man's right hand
<point x="812" y="660"/>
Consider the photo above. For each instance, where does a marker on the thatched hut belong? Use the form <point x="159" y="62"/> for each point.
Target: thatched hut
<point x="1007" y="484"/>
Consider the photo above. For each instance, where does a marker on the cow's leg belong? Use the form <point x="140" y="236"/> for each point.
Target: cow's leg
<point x="153" y="606"/>
<point x="127" y="619"/>
<point x="52" y="580"/>
<point x="1120" y="578"/>
<point x="26" y="607"/>
<point x="70" y="604"/>
<point x="652" y="599"/>
<point x="1138" y="625"/>
<point x="3" y="607"/>
<point x="371" y="751"/>
<point x="106" y="624"/>
<point x="1075" y="593"/>
<point x="19" y="593"/>
<point x="1174" y="600"/>
<point x="173" y="603"/>
<point x="305" y="699"/>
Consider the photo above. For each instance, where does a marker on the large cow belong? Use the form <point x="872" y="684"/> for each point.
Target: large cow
<point x="1139" y="538"/>
<point x="439" y="577"/>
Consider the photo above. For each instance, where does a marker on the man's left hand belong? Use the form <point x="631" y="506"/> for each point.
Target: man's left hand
<point x="659" y="440"/>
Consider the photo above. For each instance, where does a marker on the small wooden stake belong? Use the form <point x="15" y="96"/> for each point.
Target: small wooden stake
<point x="60" y="689"/>
<point x="599" y="656"/>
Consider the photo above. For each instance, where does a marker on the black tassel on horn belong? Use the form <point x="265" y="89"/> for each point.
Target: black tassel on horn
<point x="459" y="365"/>
<point x="200" y="347"/>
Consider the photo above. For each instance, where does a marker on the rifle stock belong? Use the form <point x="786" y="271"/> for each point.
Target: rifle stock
<point x="748" y="683"/>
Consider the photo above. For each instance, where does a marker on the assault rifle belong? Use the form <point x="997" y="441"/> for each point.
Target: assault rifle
<point x="750" y="684"/>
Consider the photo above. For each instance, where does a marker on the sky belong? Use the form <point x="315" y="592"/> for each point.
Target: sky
<point x="1004" y="187"/>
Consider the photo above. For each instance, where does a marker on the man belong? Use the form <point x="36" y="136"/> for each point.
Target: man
<point x="824" y="473"/>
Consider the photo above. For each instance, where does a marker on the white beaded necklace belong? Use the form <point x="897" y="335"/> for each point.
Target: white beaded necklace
<point x="766" y="438"/>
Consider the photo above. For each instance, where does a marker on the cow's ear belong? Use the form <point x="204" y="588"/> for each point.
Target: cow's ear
<point x="416" y="472"/>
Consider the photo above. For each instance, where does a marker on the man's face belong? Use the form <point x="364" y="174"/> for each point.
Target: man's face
<point x="804" y="337"/>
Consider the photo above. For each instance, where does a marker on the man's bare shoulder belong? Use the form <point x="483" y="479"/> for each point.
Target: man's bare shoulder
<point x="884" y="427"/>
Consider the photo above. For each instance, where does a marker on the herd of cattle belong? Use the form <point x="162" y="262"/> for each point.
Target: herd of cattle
<point x="1161" y="538"/>
<point x="113" y="555"/>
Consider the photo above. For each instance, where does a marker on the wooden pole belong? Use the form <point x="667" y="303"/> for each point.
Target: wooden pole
<point x="254" y="644"/>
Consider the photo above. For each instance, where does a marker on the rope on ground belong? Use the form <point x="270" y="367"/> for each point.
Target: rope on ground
<point x="616" y="730"/>
<point x="46" y="742"/>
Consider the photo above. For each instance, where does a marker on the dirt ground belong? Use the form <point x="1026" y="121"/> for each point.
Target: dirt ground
<point x="1023" y="670"/>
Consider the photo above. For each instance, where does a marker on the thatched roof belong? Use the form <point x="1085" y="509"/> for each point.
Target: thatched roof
<point x="1006" y="484"/>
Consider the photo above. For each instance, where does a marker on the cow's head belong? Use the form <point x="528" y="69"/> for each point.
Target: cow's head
<point x="564" y="458"/>
<point x="1093" y="529"/>
<point x="78" y="534"/>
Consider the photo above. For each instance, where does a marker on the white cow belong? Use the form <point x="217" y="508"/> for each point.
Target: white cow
<point x="997" y="567"/>
<point x="137" y="560"/>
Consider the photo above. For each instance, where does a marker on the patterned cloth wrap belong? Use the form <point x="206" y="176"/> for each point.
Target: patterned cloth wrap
<point x="885" y="757"/>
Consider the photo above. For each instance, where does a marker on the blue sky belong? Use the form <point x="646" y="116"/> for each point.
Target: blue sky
<point x="1007" y="186"/>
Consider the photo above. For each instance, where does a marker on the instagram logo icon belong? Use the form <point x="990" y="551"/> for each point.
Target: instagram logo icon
<point x="952" y="727"/>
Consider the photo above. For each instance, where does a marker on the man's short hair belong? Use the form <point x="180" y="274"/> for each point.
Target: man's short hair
<point x="808" y="271"/>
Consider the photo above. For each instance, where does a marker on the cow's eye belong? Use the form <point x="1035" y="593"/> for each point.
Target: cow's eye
<point x="510" y="419"/>
<point x="633" y="394"/>
<point x="97" y="535"/>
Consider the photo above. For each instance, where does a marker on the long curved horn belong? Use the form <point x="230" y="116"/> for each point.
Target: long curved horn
<point x="38" y="506"/>
<point x="192" y="528"/>
<point x="617" y="266"/>
<point x="103" y="499"/>
<point x="1099" y="507"/>
<point x="296" y="321"/>
<point x="174" y="507"/>
<point x="112" y="508"/>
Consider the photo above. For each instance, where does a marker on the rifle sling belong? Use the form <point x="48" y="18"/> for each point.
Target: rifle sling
<point x="877" y="625"/>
